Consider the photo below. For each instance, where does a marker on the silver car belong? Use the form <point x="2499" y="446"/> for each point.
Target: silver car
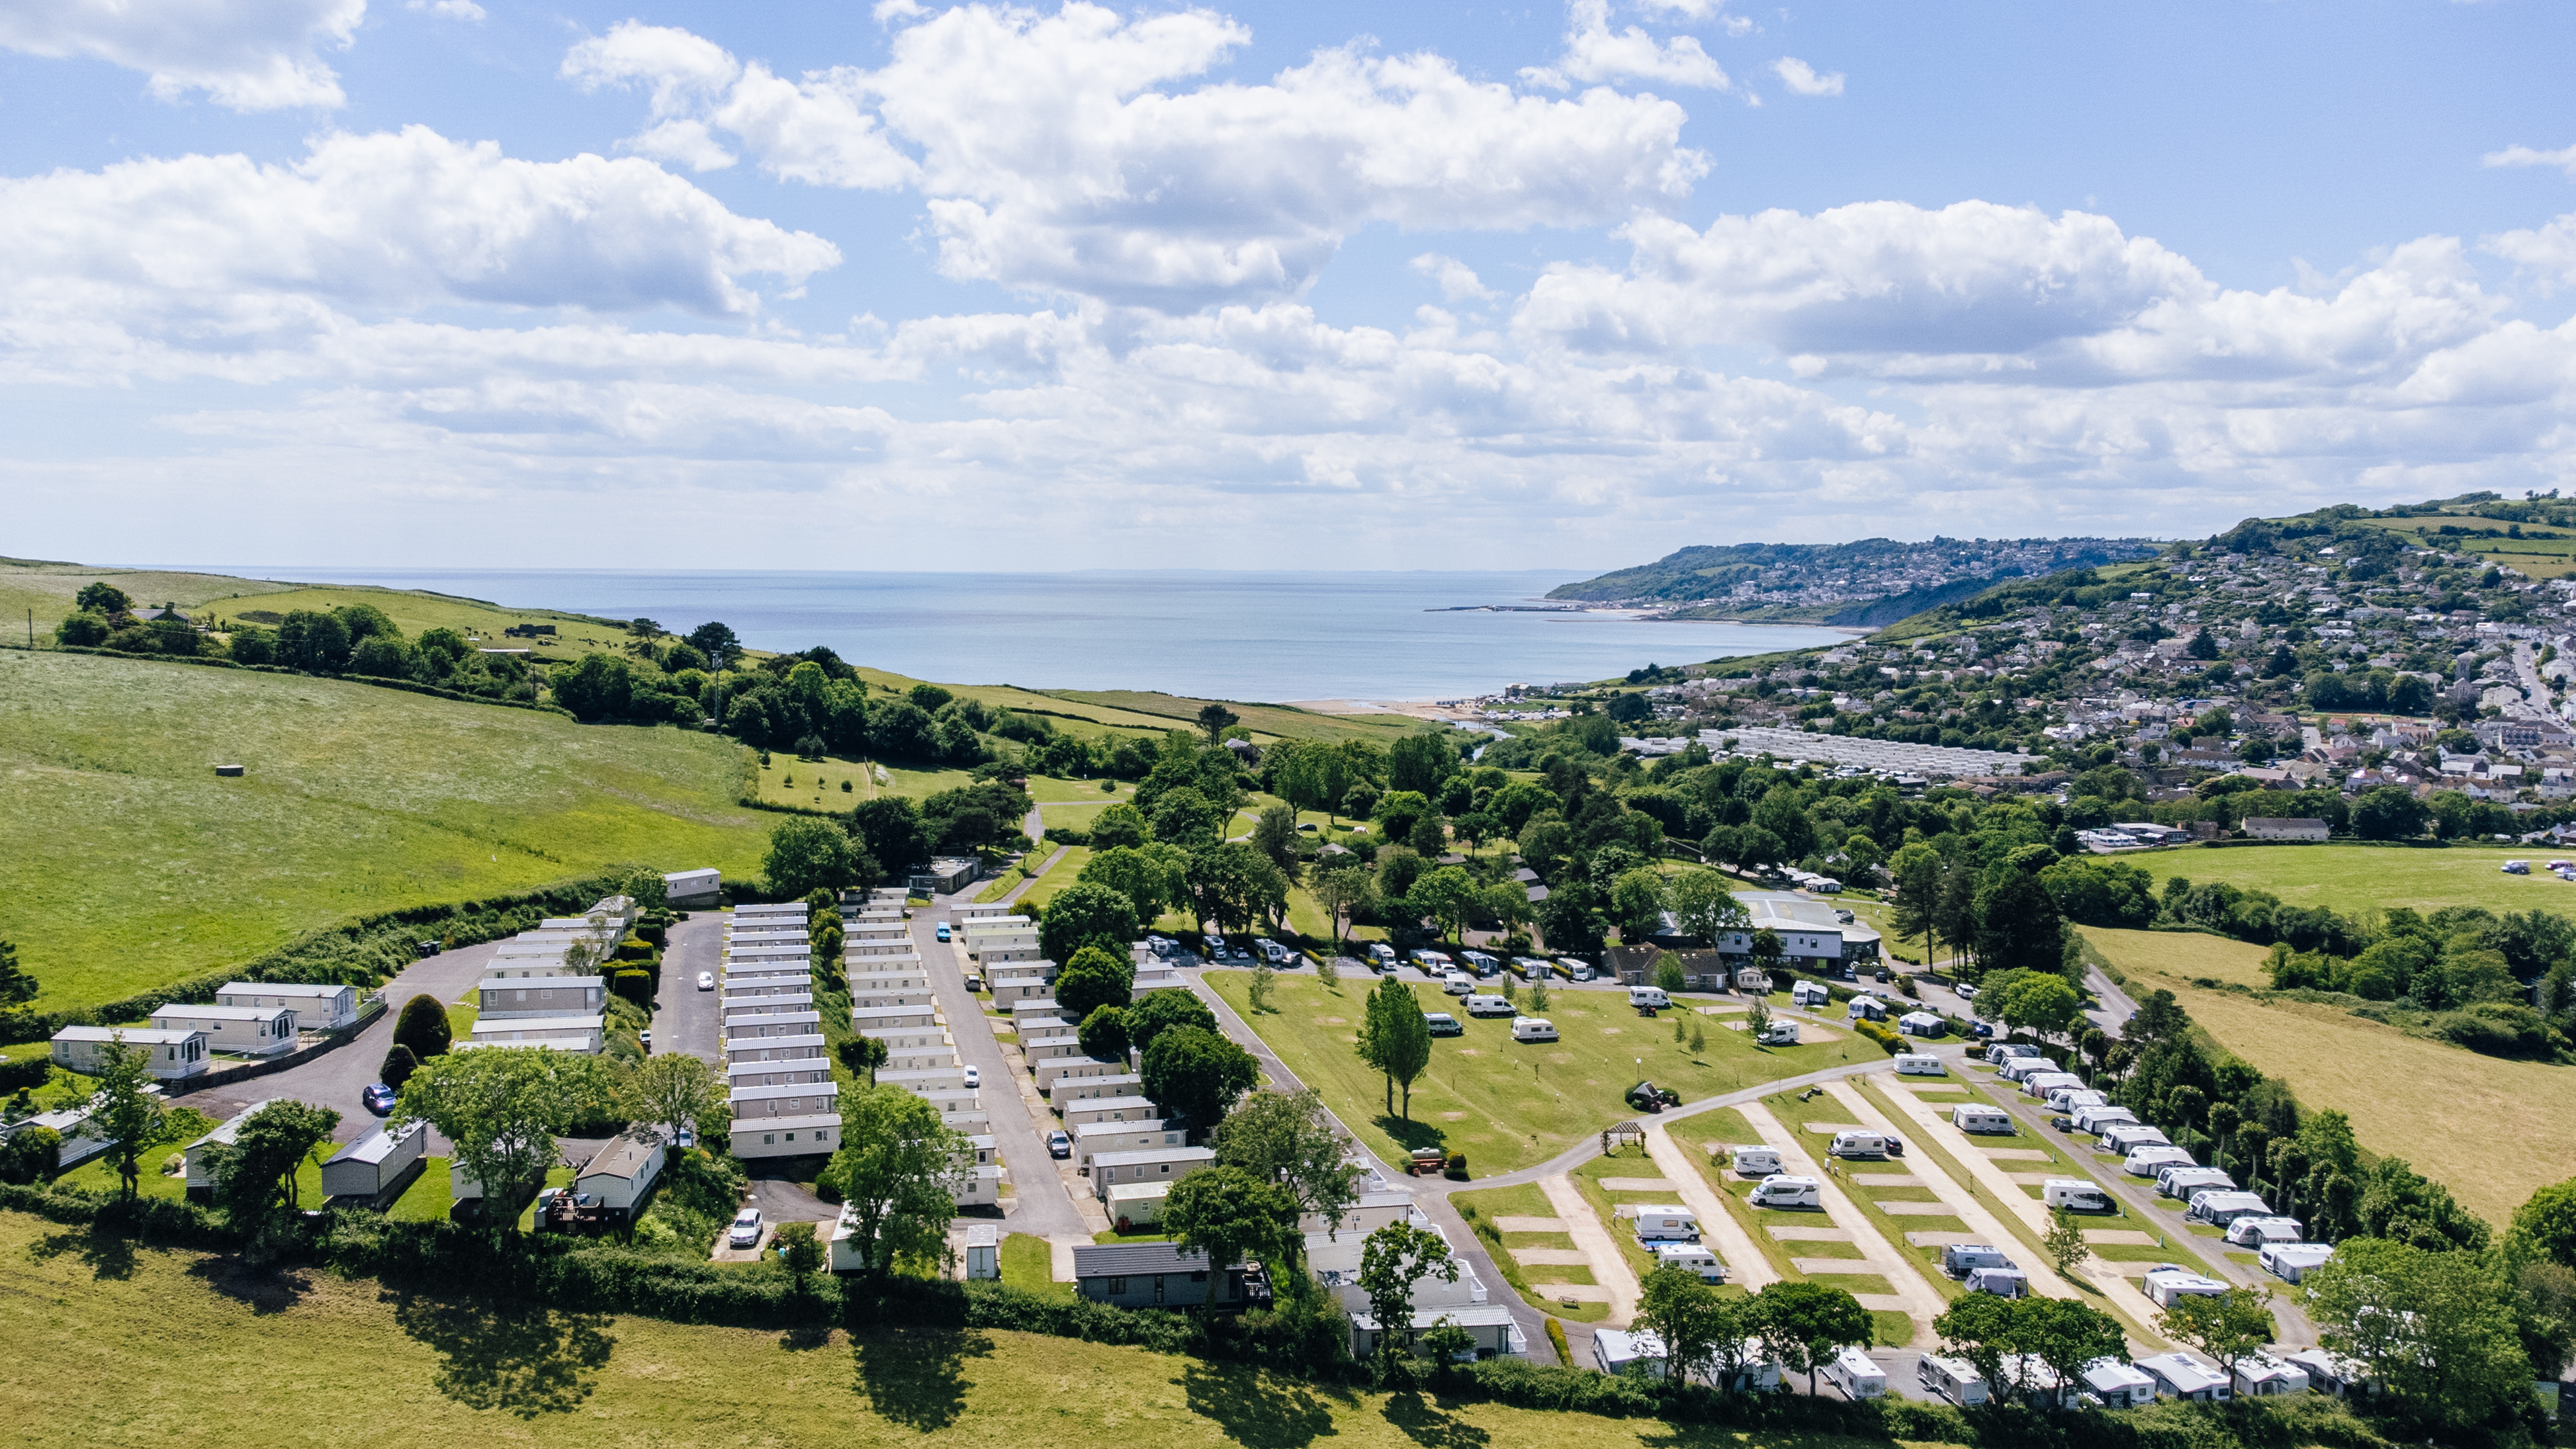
<point x="706" y="981"/>
<point x="746" y="1229"/>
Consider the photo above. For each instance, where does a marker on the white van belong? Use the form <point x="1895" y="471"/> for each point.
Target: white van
<point x="1954" y="1379"/>
<point x="2145" y="1161"/>
<point x="1756" y="1161"/>
<point x="1533" y="1028"/>
<point x="2073" y="1194"/>
<point x="1488" y="1005"/>
<point x="1809" y="995"/>
<point x="1924" y="1065"/>
<point x="1648" y="996"/>
<point x="1853" y="1372"/>
<point x="1692" y="1258"/>
<point x="1779" y="1191"/>
<point x="1859" y="1144"/>
<point x="1992" y="1121"/>
<point x="1663" y="1221"/>
<point x="1458" y="983"/>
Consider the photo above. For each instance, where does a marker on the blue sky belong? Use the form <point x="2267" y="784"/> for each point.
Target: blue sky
<point x="366" y="281"/>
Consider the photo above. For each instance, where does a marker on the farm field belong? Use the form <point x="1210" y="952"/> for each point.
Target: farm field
<point x="125" y="862"/>
<point x="1506" y="1105"/>
<point x="1271" y="720"/>
<point x="307" y="1358"/>
<point x="2440" y="1107"/>
<point x="47" y="589"/>
<point x="2357" y="879"/>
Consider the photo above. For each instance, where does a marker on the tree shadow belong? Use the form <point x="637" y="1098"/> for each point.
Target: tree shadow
<point x="266" y="1287"/>
<point x="806" y="1337"/>
<point x="105" y="1254"/>
<point x="526" y="1360"/>
<point x="1255" y="1410"/>
<point x="915" y="1376"/>
<point x="1412" y="1135"/>
<point x="1428" y="1424"/>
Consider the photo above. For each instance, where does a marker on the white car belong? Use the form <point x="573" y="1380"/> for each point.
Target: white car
<point x="974" y="1079"/>
<point x="706" y="981"/>
<point x="746" y="1229"/>
<point x="1966" y="992"/>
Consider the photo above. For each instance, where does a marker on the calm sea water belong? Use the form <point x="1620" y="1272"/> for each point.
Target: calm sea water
<point x="1248" y="636"/>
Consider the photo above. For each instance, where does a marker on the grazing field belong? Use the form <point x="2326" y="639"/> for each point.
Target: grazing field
<point x="264" y="1359"/>
<point x="1506" y="1104"/>
<point x="2442" y="1108"/>
<point x="125" y="862"/>
<point x="2359" y="879"/>
<point x="46" y="590"/>
<point x="2182" y="955"/>
<point x="1264" y="720"/>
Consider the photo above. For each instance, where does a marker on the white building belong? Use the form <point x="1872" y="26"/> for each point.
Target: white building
<point x="317" y="1008"/>
<point x="251" y="1031"/>
<point x="176" y="1055"/>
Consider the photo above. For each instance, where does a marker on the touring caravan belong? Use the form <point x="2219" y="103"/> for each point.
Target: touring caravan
<point x="1533" y="1028"/>
<point x="2067" y="1099"/>
<point x="1756" y="1161"/>
<point x="1779" y="1191"/>
<point x="2254" y="1232"/>
<point x="2260" y="1375"/>
<point x="2003" y="1053"/>
<point x="1865" y="1008"/>
<point x="2002" y="1282"/>
<point x="1950" y="1378"/>
<point x="2219" y="1207"/>
<point x="2144" y="1161"/>
<point x="1914" y="1064"/>
<point x="1990" y="1121"/>
<point x="1809" y="995"/>
<point x="2290" y="1262"/>
<point x="1488" y="1006"/>
<point x="2118" y="1385"/>
<point x="2131" y="1135"/>
<point x="1923" y="1023"/>
<point x="1666" y="1222"/>
<point x="1574" y="970"/>
<point x="1960" y="1259"/>
<point x="2183" y="1179"/>
<point x="1859" y="1144"/>
<point x="2022" y="1069"/>
<point x="2039" y="1085"/>
<point x="2101" y="1115"/>
<point x="2074" y="1194"/>
<point x="1691" y="1258"/>
<point x="1856" y="1374"/>
<point x="2166" y="1284"/>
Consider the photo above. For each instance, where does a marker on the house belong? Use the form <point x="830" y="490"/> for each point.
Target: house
<point x="176" y="1055"/>
<point x="621" y="1174"/>
<point x="251" y="1031"/>
<point x="374" y="1170"/>
<point x="500" y="996"/>
<point x="317" y="1008"/>
<point x="202" y="1154"/>
<point x="1160" y="1275"/>
<point x="1156" y="1164"/>
<point x="690" y="890"/>
<point x="2271" y="827"/>
<point x="584" y="1034"/>
<point x="2181" y="1376"/>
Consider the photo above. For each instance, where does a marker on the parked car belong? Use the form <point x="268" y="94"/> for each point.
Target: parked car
<point x="1981" y="1028"/>
<point x="942" y="932"/>
<point x="378" y="1097"/>
<point x="746" y="1229"/>
<point x="1059" y="1145"/>
<point x="974" y="1078"/>
<point x="706" y="981"/>
<point x="1965" y="991"/>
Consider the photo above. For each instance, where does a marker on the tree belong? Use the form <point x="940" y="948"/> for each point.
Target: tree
<point x="1229" y="1215"/>
<point x="31" y="1155"/>
<point x="892" y="832"/>
<point x="314" y="641"/>
<point x="1669" y="979"/>
<point x="1086" y="914"/>
<point x="1805" y="1324"/>
<point x="896" y="1173"/>
<point x="2435" y="1327"/>
<point x="800" y="1253"/>
<point x="1918" y="873"/>
<point x="1192" y="1072"/>
<point x="124" y="1109"/>
<point x="501" y="1109"/>
<point x="1392" y="1260"/>
<point x="423" y="1026"/>
<point x="102" y="597"/>
<point x="1103" y="1034"/>
<point x="1288" y="1138"/>
<point x="1768" y="952"/>
<point x="717" y="642"/>
<point x="601" y="686"/>
<point x="1257" y="991"/>
<point x="1704" y="907"/>
<point x="2226" y="1326"/>
<point x="1094" y="978"/>
<point x="17" y="984"/>
<point x="1274" y="834"/>
<point x="864" y="1056"/>
<point x="676" y="1092"/>
<point x="1235" y="885"/>
<point x="2390" y="812"/>
<point x="399" y="1063"/>
<point x="1690" y="1319"/>
<point x="85" y="630"/>
<point x="1343" y="891"/>
<point x="1570" y="920"/>
<point x="1215" y="719"/>
<point x="807" y="854"/>
<point x="1395" y="1040"/>
<point x="2043" y="1003"/>
<point x="2545" y="1226"/>
<point x="2065" y="1242"/>
<point x="1637" y="903"/>
<point x="1446" y="895"/>
<point x="2065" y="1334"/>
<point x="1153" y="878"/>
<point x="1982" y="1330"/>
<point x="255" y="1176"/>
<point x="1158" y="1011"/>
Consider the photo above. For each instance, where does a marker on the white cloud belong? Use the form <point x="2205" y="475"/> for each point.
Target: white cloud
<point x="447" y="9"/>
<point x="1801" y="78"/>
<point x="1593" y="55"/>
<point x="2547" y="251"/>
<point x="1069" y="153"/>
<point x="2564" y="159"/>
<point x="250" y="55"/>
<point x="1458" y="281"/>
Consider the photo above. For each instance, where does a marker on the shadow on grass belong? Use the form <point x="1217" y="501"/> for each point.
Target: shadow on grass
<point x="266" y="1287"/>
<point x="1412" y="1135"/>
<point x="104" y="1253"/>
<point x="1426" y="1423"/>
<point x="1255" y="1410"/>
<point x="806" y="1337"/>
<point x="523" y="1360"/>
<point x="916" y="1377"/>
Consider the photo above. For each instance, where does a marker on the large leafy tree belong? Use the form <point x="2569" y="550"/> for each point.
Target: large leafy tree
<point x="1230" y="1215"/>
<point x="897" y="1174"/>
<point x="1805" y="1324"/>
<point x="501" y="1109"/>
<point x="2436" y="1327"/>
<point x="807" y="854"/>
<point x="1694" y="1323"/>
<point x="1637" y="903"/>
<point x="1343" y="891"/>
<point x="1235" y="885"/>
<point x="1094" y="978"/>
<point x="891" y="829"/>
<point x="125" y="1109"/>
<point x="2226" y="1326"/>
<point x="255" y="1177"/>
<point x="1706" y="907"/>
<point x="676" y="1092"/>
<point x="1395" y="1040"/>
<point x="1392" y="1260"/>
<point x="1086" y="914"/>
<point x="1447" y="895"/>
<point x="1153" y="878"/>
<point x="1156" y="1012"/>
<point x="424" y="1027"/>
<point x="1288" y="1138"/>
<point x="1192" y="1072"/>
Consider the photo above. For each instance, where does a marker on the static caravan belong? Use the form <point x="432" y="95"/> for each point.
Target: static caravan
<point x="1859" y="1144"/>
<point x="1666" y="1221"/>
<point x="1990" y="1121"/>
<point x="1914" y="1064"/>
<point x="2146" y="1160"/>
<point x="2329" y="1372"/>
<point x="2290" y="1262"/>
<point x="1809" y="995"/>
<point x="2166" y="1284"/>
<point x="374" y="1170"/>
<point x="1615" y="1351"/>
<point x="2118" y="1385"/>
<point x="621" y="1174"/>
<point x="2002" y="1282"/>
<point x="1137" y="1204"/>
<point x="2260" y="1375"/>
<point x="1856" y="1374"/>
<point x="317" y="1008"/>
<point x="1755" y="1161"/>
<point x="1481" y="1005"/>
<point x="200" y="1155"/>
<point x="810" y="1135"/>
<point x="1092" y="1110"/>
<point x="2183" y="1179"/>
<point x="1960" y="1259"/>
<point x="2074" y="1194"/>
<point x="1953" y="1379"/>
<point x="1692" y="1257"/>
<point x="174" y="1054"/>
<point x="1753" y="979"/>
<point x="1779" y="1191"/>
<point x="1923" y="1023"/>
<point x="1533" y="1028"/>
<point x="1160" y="1164"/>
<point x="2254" y="1232"/>
<point x="1093" y="1139"/>
<point x="251" y="1031"/>
<point x="2181" y="1376"/>
<point x="2219" y="1208"/>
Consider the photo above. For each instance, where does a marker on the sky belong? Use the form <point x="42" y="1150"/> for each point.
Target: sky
<point x="1324" y="285"/>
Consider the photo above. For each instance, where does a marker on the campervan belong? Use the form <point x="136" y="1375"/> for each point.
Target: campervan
<point x="1809" y="995"/>
<point x="1441" y="1023"/>
<point x="1648" y="996"/>
<point x="1533" y="1028"/>
<point x="1781" y="1032"/>
<point x="2146" y="1160"/>
<point x="1859" y="1144"/>
<point x="1920" y="1064"/>
<point x="1669" y="1221"/>
<point x="2183" y="1179"/>
<point x="1853" y="1372"/>
<point x="2131" y="1135"/>
<point x="1691" y="1258"/>
<point x="2022" y="1069"/>
<point x="1487" y="1005"/>
<point x="2254" y="1232"/>
<point x="1989" y="1121"/>
<point x="1960" y="1259"/>
<point x="1458" y="983"/>
<point x="1756" y="1161"/>
<point x="1788" y="1192"/>
<point x="1950" y="1378"/>
<point x="1381" y="956"/>
<point x="2073" y="1194"/>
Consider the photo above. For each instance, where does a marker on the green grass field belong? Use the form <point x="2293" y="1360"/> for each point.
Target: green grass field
<point x="1506" y="1104"/>
<point x="1532" y="1280"/>
<point x="237" y="1356"/>
<point x="1063" y="873"/>
<point x="125" y="862"/>
<point x="2358" y="879"/>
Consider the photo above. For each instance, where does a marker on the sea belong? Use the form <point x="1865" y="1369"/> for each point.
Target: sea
<point x="1266" y="637"/>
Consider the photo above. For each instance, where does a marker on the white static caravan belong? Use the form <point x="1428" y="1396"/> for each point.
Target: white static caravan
<point x="2256" y="1231"/>
<point x="1953" y="1379"/>
<point x="1088" y="1111"/>
<point x="1856" y="1374"/>
<point x="1137" y="1204"/>
<point x="1095" y="1138"/>
<point x="621" y="1173"/>
<point x="2145" y="1161"/>
<point x="1615" y="1350"/>
<point x="175" y="1054"/>
<point x="2118" y="1385"/>
<point x="375" y="1169"/>
<point x="1161" y="1164"/>
<point x="1692" y="1258"/>
<point x="806" y="1136"/>
<point x="1780" y="1191"/>
<point x="2260" y="1375"/>
<point x="2074" y="1194"/>
<point x="1859" y="1145"/>
<point x="2291" y="1262"/>
<point x="200" y="1155"/>
<point x="251" y="1031"/>
<point x="2181" y="1376"/>
<point x="1755" y="1161"/>
<point x="1990" y="1121"/>
<point x="1920" y="1064"/>
<point x="1666" y="1222"/>
<point x="2166" y="1284"/>
<point x="317" y="1008"/>
<point x="689" y="890"/>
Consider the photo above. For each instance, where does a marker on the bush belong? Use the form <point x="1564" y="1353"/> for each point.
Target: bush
<point x="25" y="1074"/>
<point x="2497" y="1028"/>
<point x="1888" y="1041"/>
<point x="1555" y="1333"/>
<point x="399" y="1063"/>
<point x="1458" y="1166"/>
<point x="423" y="1027"/>
<point x="33" y="1155"/>
<point x="635" y="986"/>
<point x="83" y="630"/>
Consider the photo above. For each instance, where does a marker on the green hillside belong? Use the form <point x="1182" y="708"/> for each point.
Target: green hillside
<point x="125" y="862"/>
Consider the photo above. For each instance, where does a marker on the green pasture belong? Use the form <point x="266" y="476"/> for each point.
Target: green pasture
<point x="2359" y="879"/>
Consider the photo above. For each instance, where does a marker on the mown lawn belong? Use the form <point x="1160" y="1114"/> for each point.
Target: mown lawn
<point x="1506" y="1104"/>
<point x="1028" y="1264"/>
<point x="115" y="1345"/>
<point x="1531" y="1279"/>
<point x="125" y="861"/>
<point x="2358" y="879"/>
<point x="1063" y="873"/>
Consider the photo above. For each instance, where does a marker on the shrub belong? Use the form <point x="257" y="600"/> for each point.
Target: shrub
<point x="1888" y="1041"/>
<point x="635" y="986"/>
<point x="84" y="630"/>
<point x="33" y="1154"/>
<point x="1555" y="1336"/>
<point x="1458" y="1166"/>
<point x="399" y="1063"/>
<point x="21" y="1074"/>
<point x="423" y="1027"/>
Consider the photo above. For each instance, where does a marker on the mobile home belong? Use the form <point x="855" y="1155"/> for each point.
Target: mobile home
<point x="375" y="1169"/>
<point x="2181" y="1376"/>
<point x="2118" y="1385"/>
<point x="174" y="1054"/>
<point x="1856" y="1374"/>
<point x="2260" y="1375"/>
<point x="317" y="1008"/>
<point x="251" y="1031"/>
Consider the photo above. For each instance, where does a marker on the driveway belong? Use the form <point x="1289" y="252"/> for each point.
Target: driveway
<point x="1038" y="1203"/>
<point x="685" y="1018"/>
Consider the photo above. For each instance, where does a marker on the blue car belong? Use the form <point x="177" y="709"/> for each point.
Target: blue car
<point x="943" y="930"/>
<point x="378" y="1097"/>
<point x="1981" y="1028"/>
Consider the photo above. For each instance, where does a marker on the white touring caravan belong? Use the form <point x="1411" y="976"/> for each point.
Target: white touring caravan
<point x="2073" y="1194"/>
<point x="1920" y="1065"/>
<point x="1756" y="1161"/>
<point x="1950" y="1378"/>
<point x="1859" y="1144"/>
<point x="1990" y="1121"/>
<point x="1853" y="1372"/>
<point x="2290" y="1262"/>
<point x="1778" y="1191"/>
<point x="2183" y="1179"/>
<point x="2254" y="1232"/>
<point x="1809" y="995"/>
<point x="2146" y="1161"/>
<point x="1533" y="1028"/>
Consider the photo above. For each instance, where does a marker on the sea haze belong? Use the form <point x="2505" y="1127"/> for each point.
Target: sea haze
<point x="1241" y="636"/>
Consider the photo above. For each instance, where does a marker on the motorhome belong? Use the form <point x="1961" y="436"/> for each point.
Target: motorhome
<point x="1989" y="1121"/>
<point x="1458" y="983"/>
<point x="1488" y="1005"/>
<point x="2144" y="1161"/>
<point x="2291" y="1262"/>
<point x="1692" y="1258"/>
<point x="1573" y="970"/>
<point x="2254" y="1232"/>
<point x="1381" y="956"/>
<point x="1920" y="1064"/>
<point x="1856" y="1374"/>
<point x="1781" y="1032"/>
<point x="1533" y="1028"/>
<point x="1668" y="1221"/>
<point x="1648" y="996"/>
<point x="1756" y="1161"/>
<point x="1960" y="1259"/>
<point x="2073" y="1194"/>
<point x="1779" y="1191"/>
<point x="1809" y="995"/>
<point x="1954" y="1379"/>
<point x="1859" y="1144"/>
